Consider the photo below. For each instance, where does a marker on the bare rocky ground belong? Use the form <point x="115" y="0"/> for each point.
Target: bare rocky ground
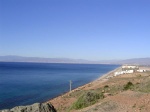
<point x="117" y="99"/>
<point x="36" y="107"/>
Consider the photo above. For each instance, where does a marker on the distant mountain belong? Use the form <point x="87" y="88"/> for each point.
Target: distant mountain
<point x="137" y="61"/>
<point x="42" y="60"/>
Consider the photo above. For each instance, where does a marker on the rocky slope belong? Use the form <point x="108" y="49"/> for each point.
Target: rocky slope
<point x="37" y="107"/>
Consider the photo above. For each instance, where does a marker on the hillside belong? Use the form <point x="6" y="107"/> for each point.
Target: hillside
<point x="124" y="93"/>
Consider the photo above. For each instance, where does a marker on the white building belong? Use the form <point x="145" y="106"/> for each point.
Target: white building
<point x="129" y="71"/>
<point x="131" y="67"/>
<point x="123" y="72"/>
<point x="141" y="70"/>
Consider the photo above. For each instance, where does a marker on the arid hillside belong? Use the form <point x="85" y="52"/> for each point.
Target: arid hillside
<point x="123" y="93"/>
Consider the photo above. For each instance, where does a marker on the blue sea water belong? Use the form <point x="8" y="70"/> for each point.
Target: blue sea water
<point x="27" y="83"/>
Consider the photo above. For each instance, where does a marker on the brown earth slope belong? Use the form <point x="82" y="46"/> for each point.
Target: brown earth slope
<point x="124" y="93"/>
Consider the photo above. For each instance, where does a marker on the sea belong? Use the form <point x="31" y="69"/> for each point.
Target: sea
<point x="27" y="83"/>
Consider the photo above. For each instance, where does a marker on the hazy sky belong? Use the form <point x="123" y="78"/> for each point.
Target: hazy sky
<point x="80" y="29"/>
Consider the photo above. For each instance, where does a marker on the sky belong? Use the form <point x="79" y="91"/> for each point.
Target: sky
<point x="78" y="29"/>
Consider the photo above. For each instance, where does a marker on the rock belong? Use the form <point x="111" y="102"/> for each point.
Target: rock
<point x="37" y="107"/>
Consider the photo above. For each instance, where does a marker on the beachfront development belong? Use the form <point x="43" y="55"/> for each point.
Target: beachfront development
<point x="127" y="69"/>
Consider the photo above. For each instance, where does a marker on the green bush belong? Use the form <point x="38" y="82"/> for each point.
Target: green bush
<point x="129" y="85"/>
<point x="106" y="86"/>
<point x="87" y="99"/>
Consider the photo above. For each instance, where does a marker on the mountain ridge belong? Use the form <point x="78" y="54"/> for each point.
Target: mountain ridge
<point x="12" y="58"/>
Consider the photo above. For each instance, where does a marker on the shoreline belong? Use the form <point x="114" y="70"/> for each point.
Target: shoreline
<point x="100" y="79"/>
<point x="65" y="101"/>
<point x="68" y="92"/>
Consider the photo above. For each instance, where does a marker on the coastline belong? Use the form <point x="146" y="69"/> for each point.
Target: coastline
<point x="59" y="99"/>
<point x="56" y="101"/>
<point x="115" y="94"/>
<point x="99" y="73"/>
